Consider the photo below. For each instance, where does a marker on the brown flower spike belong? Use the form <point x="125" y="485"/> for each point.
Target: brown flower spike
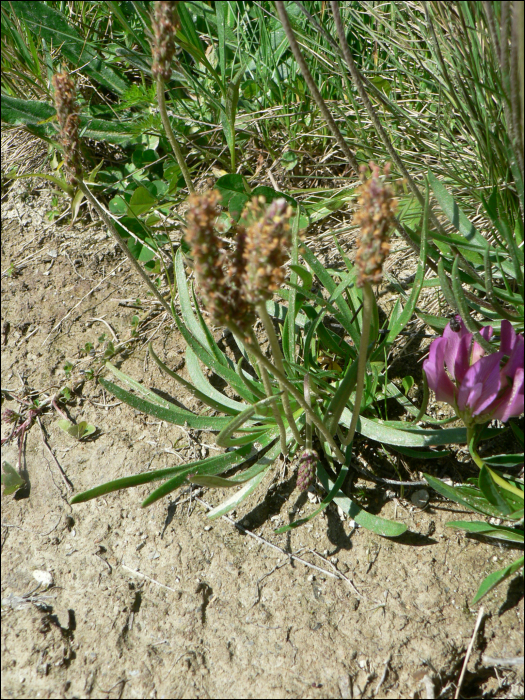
<point x="67" y="114"/>
<point x="307" y="469"/>
<point x="268" y="239"/>
<point x="232" y="282"/>
<point x="165" y="24"/>
<point x="375" y="216"/>
<point x="220" y="275"/>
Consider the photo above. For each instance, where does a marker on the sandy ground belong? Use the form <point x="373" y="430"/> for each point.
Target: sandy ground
<point x="161" y="602"/>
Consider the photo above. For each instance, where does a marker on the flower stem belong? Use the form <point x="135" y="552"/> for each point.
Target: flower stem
<point x="268" y="389"/>
<point x="278" y="360"/>
<point x="296" y="394"/>
<point x="111" y="227"/>
<point x="472" y="439"/>
<point x="308" y="399"/>
<point x="275" y="410"/>
<point x="368" y="306"/>
<point x="171" y="136"/>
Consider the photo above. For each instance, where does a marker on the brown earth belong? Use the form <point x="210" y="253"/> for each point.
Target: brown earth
<point x="162" y="603"/>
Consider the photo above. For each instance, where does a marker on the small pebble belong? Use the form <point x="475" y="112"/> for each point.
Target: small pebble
<point x="43" y="577"/>
<point x="420" y="498"/>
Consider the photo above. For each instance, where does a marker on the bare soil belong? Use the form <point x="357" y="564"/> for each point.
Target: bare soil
<point x="160" y="602"/>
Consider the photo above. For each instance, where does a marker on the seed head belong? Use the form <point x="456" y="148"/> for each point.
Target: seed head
<point x="220" y="274"/>
<point x="268" y="239"/>
<point x="375" y="217"/>
<point x="165" y="24"/>
<point x="69" y="121"/>
<point x="306" y="472"/>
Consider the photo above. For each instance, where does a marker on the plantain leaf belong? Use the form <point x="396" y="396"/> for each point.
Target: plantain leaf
<point x="385" y="528"/>
<point x="492" y="580"/>
<point x="498" y="532"/>
<point x="173" y="414"/>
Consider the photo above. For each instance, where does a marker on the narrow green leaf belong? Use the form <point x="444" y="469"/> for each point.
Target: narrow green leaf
<point x="208" y="399"/>
<point x="453" y="213"/>
<point x="492" y="580"/>
<point x="221" y="462"/>
<point x="175" y="415"/>
<point x="54" y="27"/>
<point x="496" y="495"/>
<point x="385" y="528"/>
<point x="498" y="532"/>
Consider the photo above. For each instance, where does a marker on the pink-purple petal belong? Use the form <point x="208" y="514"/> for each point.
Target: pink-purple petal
<point x="438" y="380"/>
<point x="462" y="362"/>
<point x="516" y="357"/>
<point x="481" y="384"/>
<point x="453" y="339"/>
<point x="477" y="351"/>
<point x="508" y="337"/>
<point x="513" y="402"/>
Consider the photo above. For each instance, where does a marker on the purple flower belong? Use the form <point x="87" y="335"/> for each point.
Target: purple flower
<point x="480" y="387"/>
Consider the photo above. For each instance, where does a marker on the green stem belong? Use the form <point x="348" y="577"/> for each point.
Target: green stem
<point x="171" y="136"/>
<point x="278" y="360"/>
<point x="275" y="410"/>
<point x="308" y="399"/>
<point x="111" y="227"/>
<point x="296" y="394"/>
<point x="472" y="439"/>
<point x="368" y="306"/>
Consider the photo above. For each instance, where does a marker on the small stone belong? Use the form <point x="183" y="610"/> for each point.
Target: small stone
<point x="44" y="578"/>
<point x="420" y="498"/>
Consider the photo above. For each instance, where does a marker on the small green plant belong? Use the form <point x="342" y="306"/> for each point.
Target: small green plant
<point x="67" y="369"/>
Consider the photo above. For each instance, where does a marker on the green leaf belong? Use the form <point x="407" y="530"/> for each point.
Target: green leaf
<point x="178" y="416"/>
<point x="408" y="383"/>
<point x="141" y="201"/>
<point x="345" y="315"/>
<point x="230" y="185"/>
<point x="409" y="437"/>
<point x="492" y="580"/>
<point x="59" y="32"/>
<point x="236" y="205"/>
<point x="237" y="498"/>
<point x="17" y="111"/>
<point x="224" y="437"/>
<point x="518" y="433"/>
<point x="198" y="379"/>
<point x="385" y="528"/>
<point x="188" y="28"/>
<point x="209" y="400"/>
<point x="78" y="431"/>
<point x="495" y="494"/>
<point x="217" y="464"/>
<point x="289" y="160"/>
<point x="512" y="460"/>
<point x="454" y="214"/>
<point x="498" y="532"/>
<point x="471" y="498"/>
<point x="11" y="479"/>
<point x="188" y="316"/>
